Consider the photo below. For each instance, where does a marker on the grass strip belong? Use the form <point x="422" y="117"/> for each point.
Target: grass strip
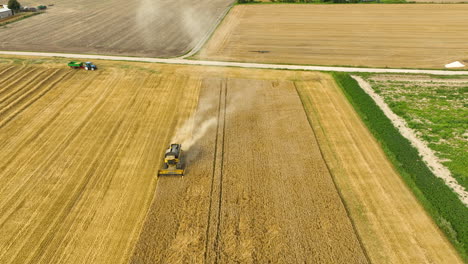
<point x="448" y="212"/>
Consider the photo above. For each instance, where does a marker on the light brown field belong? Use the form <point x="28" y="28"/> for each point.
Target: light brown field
<point x="118" y="27"/>
<point x="80" y="151"/>
<point x="398" y="36"/>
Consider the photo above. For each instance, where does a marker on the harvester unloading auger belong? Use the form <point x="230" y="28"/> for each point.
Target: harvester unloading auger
<point x="172" y="161"/>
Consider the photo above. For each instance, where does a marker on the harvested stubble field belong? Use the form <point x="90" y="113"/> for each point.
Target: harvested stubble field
<point x="398" y="36"/>
<point x="116" y="27"/>
<point x="79" y="157"/>
<point x="80" y="151"/>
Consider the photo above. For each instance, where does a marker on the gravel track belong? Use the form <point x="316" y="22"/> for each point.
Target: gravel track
<point x="233" y="64"/>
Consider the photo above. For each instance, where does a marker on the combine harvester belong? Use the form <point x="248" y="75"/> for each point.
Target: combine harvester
<point x="89" y="66"/>
<point x="172" y="161"/>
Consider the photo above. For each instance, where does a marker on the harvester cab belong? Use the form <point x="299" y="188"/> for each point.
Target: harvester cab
<point x="172" y="161"/>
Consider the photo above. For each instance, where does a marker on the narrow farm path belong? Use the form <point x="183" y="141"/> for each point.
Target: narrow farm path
<point x="232" y="64"/>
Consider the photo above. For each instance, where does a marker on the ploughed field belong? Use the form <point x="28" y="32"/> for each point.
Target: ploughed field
<point x="398" y="36"/>
<point x="117" y="27"/>
<point x="80" y="153"/>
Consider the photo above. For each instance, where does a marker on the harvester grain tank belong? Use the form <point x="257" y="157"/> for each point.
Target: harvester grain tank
<point x="172" y="161"/>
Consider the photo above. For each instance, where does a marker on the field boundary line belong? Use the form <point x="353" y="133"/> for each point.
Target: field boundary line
<point x="208" y="34"/>
<point x="343" y="202"/>
<point x="234" y="64"/>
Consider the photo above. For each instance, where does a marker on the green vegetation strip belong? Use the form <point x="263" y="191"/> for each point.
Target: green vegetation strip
<point x="449" y="213"/>
<point x="438" y="112"/>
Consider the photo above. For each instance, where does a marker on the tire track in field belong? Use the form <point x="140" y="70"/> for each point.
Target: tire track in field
<point x="221" y="174"/>
<point x="18" y="79"/>
<point x="5" y="71"/>
<point x="214" y="211"/>
<point x="212" y="179"/>
<point x="22" y="83"/>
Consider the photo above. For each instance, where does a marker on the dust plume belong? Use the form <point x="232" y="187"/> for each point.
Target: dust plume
<point x="193" y="26"/>
<point x="188" y="139"/>
<point x="198" y="124"/>
<point x="206" y="117"/>
<point x="147" y="13"/>
<point x="186" y="22"/>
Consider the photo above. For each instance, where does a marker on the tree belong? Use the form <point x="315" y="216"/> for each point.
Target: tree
<point x="14" y="5"/>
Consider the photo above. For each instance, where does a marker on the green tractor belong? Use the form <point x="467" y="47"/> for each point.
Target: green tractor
<point x="89" y="66"/>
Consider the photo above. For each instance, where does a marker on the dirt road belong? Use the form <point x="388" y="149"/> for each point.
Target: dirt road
<point x="231" y="64"/>
<point x="393" y="226"/>
<point x="251" y="195"/>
